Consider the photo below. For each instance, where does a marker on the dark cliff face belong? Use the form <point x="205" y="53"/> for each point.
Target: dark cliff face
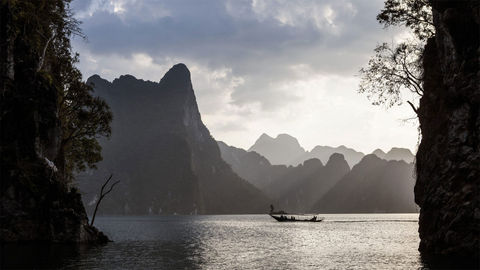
<point x="36" y="204"/>
<point x="163" y="154"/>
<point x="448" y="158"/>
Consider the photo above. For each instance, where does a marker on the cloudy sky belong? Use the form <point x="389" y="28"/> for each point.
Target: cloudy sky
<point x="283" y="66"/>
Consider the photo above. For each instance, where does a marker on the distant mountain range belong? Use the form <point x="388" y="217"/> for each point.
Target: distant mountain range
<point x="333" y="187"/>
<point x="283" y="149"/>
<point x="286" y="150"/>
<point x="168" y="163"/>
<point x="395" y="154"/>
<point x="163" y="154"/>
<point x="373" y="185"/>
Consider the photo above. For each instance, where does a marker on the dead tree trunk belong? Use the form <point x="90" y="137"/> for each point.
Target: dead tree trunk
<point x="102" y="195"/>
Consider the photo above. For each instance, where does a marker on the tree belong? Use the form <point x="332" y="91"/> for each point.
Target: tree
<point x="37" y="46"/>
<point x="414" y="14"/>
<point x="103" y="193"/>
<point x="397" y="67"/>
<point x="393" y="69"/>
<point x="84" y="118"/>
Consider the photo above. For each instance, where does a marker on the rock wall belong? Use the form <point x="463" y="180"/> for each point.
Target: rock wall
<point x="36" y="204"/>
<point x="448" y="158"/>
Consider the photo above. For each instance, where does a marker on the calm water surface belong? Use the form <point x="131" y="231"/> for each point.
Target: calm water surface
<point x="366" y="241"/>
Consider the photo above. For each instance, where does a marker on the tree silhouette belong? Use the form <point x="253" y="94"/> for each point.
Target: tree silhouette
<point x="397" y="67"/>
<point x="102" y="195"/>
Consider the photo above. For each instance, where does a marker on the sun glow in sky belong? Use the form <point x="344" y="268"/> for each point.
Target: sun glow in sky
<point x="257" y="66"/>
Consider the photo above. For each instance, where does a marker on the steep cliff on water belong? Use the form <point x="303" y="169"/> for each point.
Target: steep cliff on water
<point x="448" y="158"/>
<point x="163" y="154"/>
<point x="36" y="201"/>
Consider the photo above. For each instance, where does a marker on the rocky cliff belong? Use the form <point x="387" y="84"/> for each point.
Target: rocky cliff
<point x="36" y="202"/>
<point x="163" y="154"/>
<point x="448" y="158"/>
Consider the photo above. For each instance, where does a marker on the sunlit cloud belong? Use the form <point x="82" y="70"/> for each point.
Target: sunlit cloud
<point x="257" y="66"/>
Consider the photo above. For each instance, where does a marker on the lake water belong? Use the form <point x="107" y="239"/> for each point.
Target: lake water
<point x="353" y="241"/>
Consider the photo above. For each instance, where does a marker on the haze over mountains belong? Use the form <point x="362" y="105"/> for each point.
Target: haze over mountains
<point x="168" y="163"/>
<point x="372" y="185"/>
<point x="286" y="150"/>
<point x="392" y="180"/>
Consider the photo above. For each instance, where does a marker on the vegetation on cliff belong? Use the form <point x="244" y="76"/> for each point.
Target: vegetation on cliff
<point x="444" y="71"/>
<point x="50" y="123"/>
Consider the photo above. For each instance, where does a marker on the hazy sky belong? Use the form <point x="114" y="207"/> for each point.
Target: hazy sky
<point x="257" y="66"/>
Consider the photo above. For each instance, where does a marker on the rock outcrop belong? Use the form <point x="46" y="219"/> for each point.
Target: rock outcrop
<point x="448" y="158"/>
<point x="36" y="203"/>
<point x="163" y="154"/>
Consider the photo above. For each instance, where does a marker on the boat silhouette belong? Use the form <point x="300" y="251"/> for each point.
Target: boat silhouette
<point x="285" y="217"/>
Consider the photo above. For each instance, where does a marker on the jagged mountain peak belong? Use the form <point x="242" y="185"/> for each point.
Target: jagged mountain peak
<point x="264" y="136"/>
<point x="177" y="78"/>
<point x="282" y="149"/>
<point x="313" y="162"/>
<point x="335" y="158"/>
<point x="379" y="153"/>
<point x="165" y="154"/>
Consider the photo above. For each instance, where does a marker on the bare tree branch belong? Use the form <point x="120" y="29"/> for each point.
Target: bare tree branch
<point x="413" y="107"/>
<point x="102" y="195"/>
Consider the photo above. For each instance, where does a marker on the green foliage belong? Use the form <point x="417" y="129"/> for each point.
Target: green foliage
<point x="38" y="37"/>
<point x="84" y="119"/>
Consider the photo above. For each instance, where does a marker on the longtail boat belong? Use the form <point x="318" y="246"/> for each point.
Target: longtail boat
<point x="284" y="217"/>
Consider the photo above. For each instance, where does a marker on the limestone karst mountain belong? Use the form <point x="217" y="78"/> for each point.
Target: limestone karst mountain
<point x="395" y="153"/>
<point x="400" y="154"/>
<point x="251" y="166"/>
<point x="374" y="185"/>
<point x="379" y="153"/>
<point x="324" y="152"/>
<point x="382" y="186"/>
<point x="163" y="154"/>
<point x="309" y="187"/>
<point x="286" y="150"/>
<point x="282" y="150"/>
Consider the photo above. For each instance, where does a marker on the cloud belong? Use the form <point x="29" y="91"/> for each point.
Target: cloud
<point x="255" y="64"/>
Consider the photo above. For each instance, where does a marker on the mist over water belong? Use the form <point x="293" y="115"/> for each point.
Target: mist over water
<point x="346" y="241"/>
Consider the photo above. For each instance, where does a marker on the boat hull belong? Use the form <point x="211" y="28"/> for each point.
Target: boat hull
<point x="286" y="218"/>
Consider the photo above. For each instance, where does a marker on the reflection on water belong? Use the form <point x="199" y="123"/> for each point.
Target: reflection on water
<point x="369" y="241"/>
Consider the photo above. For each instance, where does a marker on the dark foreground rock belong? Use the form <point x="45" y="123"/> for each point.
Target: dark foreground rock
<point x="41" y="209"/>
<point x="448" y="159"/>
<point x="36" y="202"/>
